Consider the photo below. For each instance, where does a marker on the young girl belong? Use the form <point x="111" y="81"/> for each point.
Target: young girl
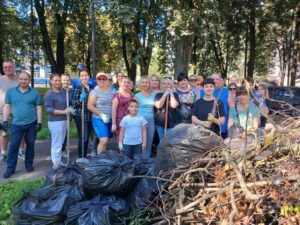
<point x="133" y="134"/>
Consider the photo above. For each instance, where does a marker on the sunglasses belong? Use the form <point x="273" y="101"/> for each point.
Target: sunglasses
<point x="102" y="79"/>
<point x="232" y="89"/>
<point x="193" y="80"/>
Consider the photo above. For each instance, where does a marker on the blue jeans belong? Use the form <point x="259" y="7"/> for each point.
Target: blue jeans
<point x="150" y="135"/>
<point x="87" y="132"/>
<point x="161" y="130"/>
<point x="17" y="133"/>
<point x="133" y="151"/>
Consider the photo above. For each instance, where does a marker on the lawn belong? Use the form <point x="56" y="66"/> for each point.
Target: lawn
<point x="44" y="133"/>
<point x="11" y="192"/>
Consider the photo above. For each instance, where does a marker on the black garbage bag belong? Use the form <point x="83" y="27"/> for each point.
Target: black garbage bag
<point x="64" y="175"/>
<point x="143" y="165"/>
<point x="109" y="173"/>
<point x="99" y="210"/>
<point x="184" y="144"/>
<point x="144" y="192"/>
<point x="46" y="205"/>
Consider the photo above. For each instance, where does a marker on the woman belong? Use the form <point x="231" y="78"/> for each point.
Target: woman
<point x="155" y="82"/>
<point x="161" y="100"/>
<point x="232" y="99"/>
<point x="187" y="98"/>
<point x="238" y="114"/>
<point x="100" y="104"/>
<point x="120" y="105"/>
<point x="207" y="111"/>
<point x="146" y="109"/>
<point x="79" y="101"/>
<point x="56" y="106"/>
<point x="263" y="90"/>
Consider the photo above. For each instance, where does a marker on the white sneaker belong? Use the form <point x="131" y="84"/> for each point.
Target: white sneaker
<point x="21" y="155"/>
<point x="3" y="158"/>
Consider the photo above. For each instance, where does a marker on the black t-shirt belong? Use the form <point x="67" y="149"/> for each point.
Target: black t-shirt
<point x="159" y="114"/>
<point x="202" y="108"/>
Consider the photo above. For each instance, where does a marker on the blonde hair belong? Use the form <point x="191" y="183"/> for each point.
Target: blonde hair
<point x="267" y="95"/>
<point x="145" y="78"/>
<point x="169" y="79"/>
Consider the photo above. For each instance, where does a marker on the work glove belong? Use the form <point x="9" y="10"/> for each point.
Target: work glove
<point x="206" y="124"/>
<point x="120" y="146"/>
<point x="38" y="127"/>
<point x="104" y="117"/>
<point x="83" y="96"/>
<point x="5" y="126"/>
<point x="212" y="119"/>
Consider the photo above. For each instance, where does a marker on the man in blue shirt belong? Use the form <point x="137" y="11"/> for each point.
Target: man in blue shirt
<point x="25" y="105"/>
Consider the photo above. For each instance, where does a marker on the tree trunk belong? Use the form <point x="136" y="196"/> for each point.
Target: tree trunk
<point x="1" y="38"/>
<point x="252" y="42"/>
<point x="45" y="34"/>
<point x="246" y="53"/>
<point x="60" y="46"/>
<point x="183" y="49"/>
<point x="296" y="52"/>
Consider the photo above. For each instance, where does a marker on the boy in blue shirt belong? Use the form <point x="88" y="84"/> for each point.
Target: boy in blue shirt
<point x="132" y="139"/>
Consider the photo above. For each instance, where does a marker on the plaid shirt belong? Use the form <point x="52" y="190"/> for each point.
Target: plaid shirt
<point x="77" y="104"/>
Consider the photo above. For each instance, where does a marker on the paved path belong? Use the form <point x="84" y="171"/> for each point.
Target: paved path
<point x="42" y="161"/>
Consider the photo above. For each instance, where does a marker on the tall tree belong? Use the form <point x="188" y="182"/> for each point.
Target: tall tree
<point x="61" y="11"/>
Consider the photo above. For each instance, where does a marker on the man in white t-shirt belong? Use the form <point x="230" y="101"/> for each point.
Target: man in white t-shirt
<point x="8" y="80"/>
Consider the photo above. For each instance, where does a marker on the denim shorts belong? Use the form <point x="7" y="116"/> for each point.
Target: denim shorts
<point x="102" y="130"/>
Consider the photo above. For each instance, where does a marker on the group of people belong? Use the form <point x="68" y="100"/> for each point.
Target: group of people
<point x="104" y="108"/>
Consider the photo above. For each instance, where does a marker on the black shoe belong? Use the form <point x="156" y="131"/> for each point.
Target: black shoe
<point x="8" y="174"/>
<point x="29" y="169"/>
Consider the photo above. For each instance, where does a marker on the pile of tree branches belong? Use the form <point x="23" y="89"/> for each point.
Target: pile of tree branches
<point x="246" y="181"/>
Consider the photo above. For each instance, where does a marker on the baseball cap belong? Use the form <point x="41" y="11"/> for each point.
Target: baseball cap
<point x="101" y="74"/>
<point x="80" y="66"/>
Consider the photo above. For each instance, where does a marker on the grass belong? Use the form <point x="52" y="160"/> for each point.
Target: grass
<point x="11" y="192"/>
<point x="45" y="133"/>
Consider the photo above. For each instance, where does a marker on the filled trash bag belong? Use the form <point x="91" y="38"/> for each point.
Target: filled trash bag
<point x="46" y="205"/>
<point x="64" y="175"/>
<point x="143" y="165"/>
<point x="108" y="173"/>
<point x="143" y="193"/>
<point x="184" y="144"/>
<point x="99" y="210"/>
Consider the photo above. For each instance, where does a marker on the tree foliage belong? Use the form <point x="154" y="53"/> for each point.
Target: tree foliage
<point x="247" y="37"/>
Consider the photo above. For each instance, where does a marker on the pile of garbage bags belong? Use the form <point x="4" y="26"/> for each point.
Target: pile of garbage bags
<point x="103" y="192"/>
<point x="108" y="188"/>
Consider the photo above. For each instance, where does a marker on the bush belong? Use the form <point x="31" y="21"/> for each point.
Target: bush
<point x="11" y="192"/>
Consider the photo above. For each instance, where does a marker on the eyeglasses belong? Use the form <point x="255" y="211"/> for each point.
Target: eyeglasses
<point x="232" y="89"/>
<point x="102" y="79"/>
<point x="193" y="80"/>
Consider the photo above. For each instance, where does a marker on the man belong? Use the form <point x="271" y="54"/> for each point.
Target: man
<point x="26" y="106"/>
<point x="120" y="76"/>
<point x="8" y="80"/>
<point x="221" y="94"/>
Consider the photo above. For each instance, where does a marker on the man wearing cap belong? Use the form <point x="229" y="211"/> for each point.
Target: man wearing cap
<point x="8" y="80"/>
<point x="26" y="106"/>
<point x="75" y="82"/>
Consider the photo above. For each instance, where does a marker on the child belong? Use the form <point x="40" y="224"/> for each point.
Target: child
<point x="132" y="139"/>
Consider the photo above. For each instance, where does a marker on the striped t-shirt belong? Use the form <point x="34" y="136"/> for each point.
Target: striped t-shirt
<point x="103" y="101"/>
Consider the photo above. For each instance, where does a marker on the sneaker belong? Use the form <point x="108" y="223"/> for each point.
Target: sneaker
<point x="8" y="174"/>
<point x="21" y="155"/>
<point x="3" y="158"/>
